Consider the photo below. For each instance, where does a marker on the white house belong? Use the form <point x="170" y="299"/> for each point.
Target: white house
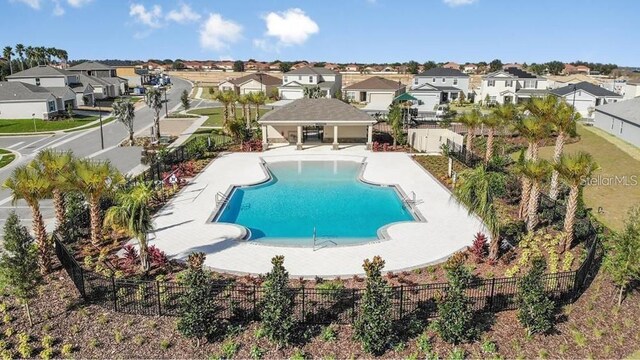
<point x="295" y="81"/>
<point x="313" y="121"/>
<point x="631" y="90"/>
<point x="20" y="100"/>
<point x="621" y="119"/>
<point x="437" y="86"/>
<point x="106" y="73"/>
<point x="255" y="82"/>
<point x="511" y="85"/>
<point x="585" y="97"/>
<point x="376" y="92"/>
<point x="470" y="68"/>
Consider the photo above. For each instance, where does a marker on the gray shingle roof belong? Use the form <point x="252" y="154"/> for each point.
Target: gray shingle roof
<point x="319" y="110"/>
<point x="267" y="79"/>
<point x="532" y="92"/>
<point x="41" y="71"/>
<point x="439" y="71"/>
<point x="15" y="90"/>
<point x="90" y="65"/>
<point x="92" y="80"/>
<point x="375" y="83"/>
<point x="307" y="70"/>
<point x="628" y="110"/>
<point x="585" y="86"/>
<point x="60" y="91"/>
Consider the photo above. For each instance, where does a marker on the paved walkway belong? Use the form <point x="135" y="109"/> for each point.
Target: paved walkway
<point x="182" y="226"/>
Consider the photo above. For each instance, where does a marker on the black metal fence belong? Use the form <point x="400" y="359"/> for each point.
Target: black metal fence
<point x="240" y="302"/>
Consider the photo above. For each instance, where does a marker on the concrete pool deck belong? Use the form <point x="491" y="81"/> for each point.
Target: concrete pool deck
<point x="182" y="226"/>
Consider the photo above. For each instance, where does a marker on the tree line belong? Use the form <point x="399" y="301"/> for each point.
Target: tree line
<point x="20" y="57"/>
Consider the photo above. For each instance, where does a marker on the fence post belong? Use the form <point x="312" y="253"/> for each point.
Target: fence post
<point x="158" y="297"/>
<point x="353" y="306"/>
<point x="255" y="302"/>
<point x="491" y="294"/>
<point x="303" y="309"/>
<point x="115" y="294"/>
<point x="401" y="301"/>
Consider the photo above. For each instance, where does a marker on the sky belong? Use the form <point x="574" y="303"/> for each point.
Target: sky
<point x="344" y="31"/>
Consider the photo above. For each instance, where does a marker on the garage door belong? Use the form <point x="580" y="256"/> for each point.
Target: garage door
<point x="383" y="99"/>
<point x="291" y="94"/>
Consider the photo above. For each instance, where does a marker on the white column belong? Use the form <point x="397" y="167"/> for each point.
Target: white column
<point x="299" y="141"/>
<point x="265" y="137"/>
<point x="336" y="146"/>
<point x="369" y="137"/>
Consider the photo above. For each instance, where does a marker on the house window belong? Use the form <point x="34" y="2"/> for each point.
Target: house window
<point x="492" y="99"/>
<point x="285" y="80"/>
<point x="531" y="84"/>
<point x="300" y="78"/>
<point x="38" y="81"/>
<point x="508" y="83"/>
<point x="311" y="79"/>
<point x="455" y="81"/>
<point x="52" y="106"/>
<point x="443" y="79"/>
<point x="621" y="123"/>
<point x="415" y="81"/>
<point x="434" y="80"/>
<point x="491" y="83"/>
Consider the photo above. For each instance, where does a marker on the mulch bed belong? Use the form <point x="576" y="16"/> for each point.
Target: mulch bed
<point x="592" y="327"/>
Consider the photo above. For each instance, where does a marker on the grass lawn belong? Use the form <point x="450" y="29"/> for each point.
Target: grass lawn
<point x="105" y="121"/>
<point x="14" y="126"/>
<point x="615" y="199"/>
<point x="6" y="157"/>
<point x="215" y="115"/>
<point x="215" y="134"/>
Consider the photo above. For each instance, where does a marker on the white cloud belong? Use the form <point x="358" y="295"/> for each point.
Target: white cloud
<point x="150" y="17"/>
<point x="78" y="3"/>
<point x="34" y="4"/>
<point x="58" y="10"/>
<point x="454" y="3"/>
<point x="291" y="27"/>
<point x="184" y="15"/>
<point x="217" y="33"/>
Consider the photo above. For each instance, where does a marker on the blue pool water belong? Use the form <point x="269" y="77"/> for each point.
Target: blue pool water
<point x="303" y="195"/>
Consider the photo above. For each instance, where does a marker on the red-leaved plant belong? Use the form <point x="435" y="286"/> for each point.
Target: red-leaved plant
<point x="479" y="247"/>
<point x="130" y="258"/>
<point x="158" y="257"/>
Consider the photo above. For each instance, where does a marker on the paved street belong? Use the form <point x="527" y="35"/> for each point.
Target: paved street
<point x="86" y="144"/>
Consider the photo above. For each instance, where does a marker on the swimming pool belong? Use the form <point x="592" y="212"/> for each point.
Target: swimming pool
<point x="306" y="196"/>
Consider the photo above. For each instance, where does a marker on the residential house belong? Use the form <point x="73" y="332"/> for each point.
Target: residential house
<point x="451" y="65"/>
<point x="255" y="66"/>
<point x="224" y="65"/>
<point x="437" y="86"/>
<point x="153" y="66"/>
<point x="300" y="65"/>
<point x="376" y="92"/>
<point x="572" y="69"/>
<point x="332" y="66"/>
<point x="558" y="81"/>
<point x="585" y="97"/>
<point x="511" y="85"/>
<point x="134" y="76"/>
<point x="20" y="100"/>
<point x="352" y="68"/>
<point x="631" y="90"/>
<point x="470" y="68"/>
<point x="103" y="72"/>
<point x="50" y="77"/>
<point x="295" y="81"/>
<point x="275" y="66"/>
<point x="255" y="82"/>
<point x="192" y="65"/>
<point x="621" y="119"/>
<point x="512" y="66"/>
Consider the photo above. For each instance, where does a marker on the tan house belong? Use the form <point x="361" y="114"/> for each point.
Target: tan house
<point x="377" y="92"/>
<point x="316" y="121"/>
<point x="451" y="65"/>
<point x="352" y="68"/>
<point x="256" y="82"/>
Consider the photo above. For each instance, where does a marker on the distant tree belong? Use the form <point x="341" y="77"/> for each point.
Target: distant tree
<point x="555" y="67"/>
<point x="482" y="63"/>
<point x="18" y="262"/>
<point x="277" y="306"/>
<point x="320" y="64"/>
<point x="285" y="66"/>
<point x="536" y="312"/>
<point x="538" y="69"/>
<point x="198" y="309"/>
<point x="70" y="111"/>
<point x="178" y="65"/>
<point x="412" y="67"/>
<point x="7" y="53"/>
<point x="167" y="62"/>
<point x="495" y="65"/>
<point x="374" y="328"/>
<point x="314" y="92"/>
<point x="429" y="65"/>
<point x="184" y="99"/>
<point x="623" y="254"/>
<point x="238" y="66"/>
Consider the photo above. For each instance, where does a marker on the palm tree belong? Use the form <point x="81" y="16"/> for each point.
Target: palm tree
<point x="573" y="170"/>
<point x="154" y="101"/>
<point x="124" y="112"/>
<point x="244" y="102"/>
<point x="30" y="53"/>
<point x="564" y="123"/>
<point x="476" y="190"/>
<point x="534" y="131"/>
<point x="226" y="98"/>
<point x="56" y="168"/>
<point x="7" y="53"/>
<point x="394" y="119"/>
<point x="258" y="99"/>
<point x="501" y="115"/>
<point x="20" y="52"/>
<point x="536" y="171"/>
<point x="28" y="184"/>
<point x="133" y="214"/>
<point x="471" y="120"/>
<point x="93" y="180"/>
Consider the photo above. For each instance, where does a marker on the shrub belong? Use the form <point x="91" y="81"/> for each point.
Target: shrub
<point x="131" y="257"/>
<point x="66" y="351"/>
<point x="229" y="348"/>
<point x="330" y="289"/>
<point x="47" y="341"/>
<point x="455" y="322"/>
<point x="457" y="354"/>
<point x="198" y="309"/>
<point x="256" y="352"/>
<point x="277" y="307"/>
<point x="329" y="333"/>
<point x="512" y="189"/>
<point x="197" y="148"/>
<point x="536" y="312"/>
<point x="623" y="256"/>
<point x="374" y="327"/>
<point x="46" y="354"/>
<point x="479" y="247"/>
<point x="165" y="344"/>
<point x="24" y="349"/>
<point x="158" y="257"/>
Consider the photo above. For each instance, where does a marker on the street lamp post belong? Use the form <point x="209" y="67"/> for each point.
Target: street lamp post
<point x="166" y="103"/>
<point x="97" y="102"/>
<point x="33" y="117"/>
